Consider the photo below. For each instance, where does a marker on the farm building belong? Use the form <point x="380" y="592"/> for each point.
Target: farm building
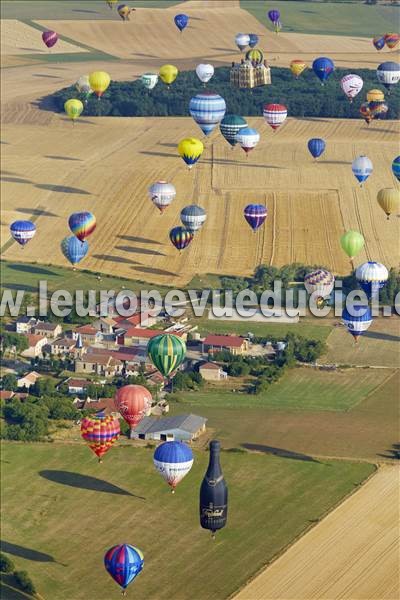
<point x="232" y="343"/>
<point x="36" y="344"/>
<point x="135" y="336"/>
<point x="25" y="324"/>
<point x="48" y="330"/>
<point x="88" y="334"/>
<point x="77" y="386"/>
<point x="180" y="427"/>
<point x="212" y="372"/>
<point x="62" y="346"/>
<point x="28" y="380"/>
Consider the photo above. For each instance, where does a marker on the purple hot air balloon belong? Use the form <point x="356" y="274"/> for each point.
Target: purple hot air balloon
<point x="255" y="215"/>
<point x="274" y="16"/>
<point x="50" y="38"/>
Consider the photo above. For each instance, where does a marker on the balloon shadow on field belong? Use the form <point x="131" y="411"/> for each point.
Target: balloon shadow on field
<point x="393" y="452"/>
<point x="379" y="130"/>
<point x="31" y="269"/>
<point x="333" y="162"/>
<point x="62" y="189"/>
<point x="133" y="238"/>
<point x="117" y="259"/>
<point x="62" y="157"/>
<point x="376" y="335"/>
<point x="139" y="250"/>
<point x="67" y="120"/>
<point x="154" y="271"/>
<point x="281" y="452"/>
<point x="82" y="10"/>
<point x="163" y="154"/>
<point x="23" y="552"/>
<point x="44" y="75"/>
<point x="85" y="482"/>
<point x="36" y="212"/>
<point x="20" y="287"/>
<point x="15" y="180"/>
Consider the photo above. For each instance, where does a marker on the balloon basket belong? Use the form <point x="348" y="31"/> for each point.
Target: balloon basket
<point x="213" y="535"/>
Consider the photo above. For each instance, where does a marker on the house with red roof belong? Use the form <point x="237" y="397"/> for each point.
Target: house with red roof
<point x="233" y="343"/>
<point x="135" y="336"/>
<point x="36" y="344"/>
<point x="89" y="334"/>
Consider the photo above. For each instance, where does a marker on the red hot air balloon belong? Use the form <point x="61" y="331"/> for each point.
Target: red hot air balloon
<point x="274" y="114"/>
<point x="133" y="402"/>
<point x="50" y="38"/>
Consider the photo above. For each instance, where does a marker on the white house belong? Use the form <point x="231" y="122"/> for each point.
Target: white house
<point x="36" y="343"/>
<point x="28" y="380"/>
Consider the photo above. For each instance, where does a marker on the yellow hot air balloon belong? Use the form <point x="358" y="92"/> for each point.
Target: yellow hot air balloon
<point x="190" y="150"/>
<point x="73" y="108"/>
<point x="375" y="96"/>
<point x="168" y="74"/>
<point x="297" y="67"/>
<point x="389" y="200"/>
<point x="99" y="82"/>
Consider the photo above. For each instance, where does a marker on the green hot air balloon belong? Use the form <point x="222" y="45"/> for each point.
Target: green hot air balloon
<point x="352" y="243"/>
<point x="167" y="352"/>
<point x="230" y="126"/>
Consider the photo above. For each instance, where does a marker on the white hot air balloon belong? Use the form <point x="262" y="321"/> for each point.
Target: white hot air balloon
<point x="320" y="283"/>
<point x="372" y="276"/>
<point x="362" y="168"/>
<point x="351" y="85"/>
<point x="149" y="80"/>
<point x="173" y="460"/>
<point x="247" y="138"/>
<point x="193" y="217"/>
<point x="204" y="72"/>
<point x="242" y="40"/>
<point x="161" y="194"/>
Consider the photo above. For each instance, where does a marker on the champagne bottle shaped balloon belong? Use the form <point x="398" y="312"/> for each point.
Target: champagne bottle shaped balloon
<point x="213" y="493"/>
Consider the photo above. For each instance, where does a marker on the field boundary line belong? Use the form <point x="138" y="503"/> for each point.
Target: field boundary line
<point x="274" y="204"/>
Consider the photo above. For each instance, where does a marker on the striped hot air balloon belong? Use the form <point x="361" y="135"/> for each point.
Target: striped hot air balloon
<point x="392" y="40"/>
<point x="193" y="217"/>
<point x="149" y="80"/>
<point x="247" y="138"/>
<point x="372" y="277"/>
<point x="207" y="109"/>
<point x="167" y="352"/>
<point x="173" y="460"/>
<point x="22" y="231"/>
<point x="375" y="96"/>
<point x="255" y="56"/>
<point x="123" y="563"/>
<point x="274" y="115"/>
<point x="82" y="224"/>
<point x="255" y="215"/>
<point x="180" y="237"/>
<point x="396" y="167"/>
<point x="362" y="168"/>
<point x="388" y="73"/>
<point x="357" y="319"/>
<point x="242" y="40"/>
<point x="162" y="194"/>
<point x="230" y="127"/>
<point x="100" y="432"/>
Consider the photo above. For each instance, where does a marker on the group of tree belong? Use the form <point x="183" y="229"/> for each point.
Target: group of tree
<point x="304" y="97"/>
<point x="22" y="579"/>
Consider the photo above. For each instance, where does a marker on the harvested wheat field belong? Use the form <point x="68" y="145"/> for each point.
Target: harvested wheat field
<point x="353" y="553"/>
<point x="106" y="165"/>
<point x="19" y="38"/>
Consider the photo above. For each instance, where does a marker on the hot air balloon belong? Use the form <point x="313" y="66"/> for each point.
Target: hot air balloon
<point x="50" y="38"/>
<point x="388" y="73"/>
<point x="392" y="40"/>
<point x="149" y="80"/>
<point x="247" y="138"/>
<point x="351" y="85"/>
<point x="389" y="200"/>
<point x="255" y="56"/>
<point x="323" y="67"/>
<point x="99" y="82"/>
<point x="242" y="40"/>
<point x="378" y="109"/>
<point x="181" y="21"/>
<point x="352" y="243"/>
<point x="396" y="167"/>
<point x="204" y="72"/>
<point x="207" y="109"/>
<point x="230" y="126"/>
<point x="274" y="114"/>
<point x="124" y="11"/>
<point x="82" y="224"/>
<point x="372" y="276"/>
<point x="100" y="432"/>
<point x="161" y="194"/>
<point x="379" y="42"/>
<point x="362" y="168"/>
<point x="297" y="67"/>
<point x="255" y="215"/>
<point x="180" y="237"/>
<point x="168" y="74"/>
<point x="319" y="283"/>
<point x="173" y="460"/>
<point x="375" y="96"/>
<point x="193" y="217"/>
<point x="190" y="150"/>
<point x="274" y="16"/>
<point x="253" y="41"/>
<point x="167" y="352"/>
<point x="22" y="231"/>
<point x="366" y="113"/>
<point x="133" y="402"/>
<point x="83" y="87"/>
<point x="73" y="108"/>
<point x="123" y="563"/>
<point x="73" y="249"/>
<point x="316" y="147"/>
<point x="357" y="320"/>
<point x="111" y="3"/>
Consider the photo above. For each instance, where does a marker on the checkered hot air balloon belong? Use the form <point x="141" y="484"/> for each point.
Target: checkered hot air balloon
<point x="22" y="231"/>
<point x="357" y="319"/>
<point x="173" y="460"/>
<point x="255" y="215"/>
<point x="180" y="237"/>
<point x="193" y="217"/>
<point x="124" y="563"/>
<point x="133" y="402"/>
<point x="207" y="109"/>
<point x="82" y="224"/>
<point x="167" y="352"/>
<point x="100" y="432"/>
<point x="274" y="115"/>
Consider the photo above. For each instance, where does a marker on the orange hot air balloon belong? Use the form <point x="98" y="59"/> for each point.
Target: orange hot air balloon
<point x="392" y="40"/>
<point x="133" y="402"/>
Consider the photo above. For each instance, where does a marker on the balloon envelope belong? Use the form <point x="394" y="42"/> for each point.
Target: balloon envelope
<point x="255" y="56"/>
<point x="181" y="21"/>
<point x="351" y="85"/>
<point x="82" y="224"/>
<point x="123" y="563"/>
<point x="274" y="114"/>
<point x="230" y="126"/>
<point x="352" y="243"/>
<point x="366" y="113"/>
<point x="274" y="15"/>
<point x="99" y="82"/>
<point x="73" y="249"/>
<point x="162" y="194"/>
<point x="253" y="40"/>
<point x="190" y="150"/>
<point x="323" y="67"/>
<point x="389" y="200"/>
<point x="50" y="38"/>
<point x="173" y="460"/>
<point x="392" y="40"/>
<point x="100" y="432"/>
<point x="297" y="67"/>
<point x="242" y="40"/>
<point x="22" y="231"/>
<point x="388" y="73"/>
<point x="149" y="80"/>
<point x="180" y="237"/>
<point x="396" y="167"/>
<point x="357" y="319"/>
<point x="372" y="276"/>
<point x="204" y="72"/>
<point x="248" y="138"/>
<point x="167" y="352"/>
<point x="193" y="217"/>
<point x="319" y="282"/>
<point x="362" y="168"/>
<point x="379" y="42"/>
<point x="73" y="108"/>
<point x="207" y="110"/>
<point x="133" y="402"/>
<point x="316" y="147"/>
<point x="255" y="215"/>
<point x="168" y="74"/>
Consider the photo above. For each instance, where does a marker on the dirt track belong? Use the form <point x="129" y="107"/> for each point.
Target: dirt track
<point x="351" y="555"/>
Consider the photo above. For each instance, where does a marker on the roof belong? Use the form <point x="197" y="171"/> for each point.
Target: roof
<point x="33" y="339"/>
<point x="32" y="376"/>
<point x="6" y="394"/>
<point x="83" y="383"/>
<point x="47" y="326"/>
<point x="149" y="333"/>
<point x="228" y="341"/>
<point x="106" y="404"/>
<point x="25" y="319"/>
<point x="128" y="321"/>
<point x="86" y="329"/>
<point x="108" y="320"/>
<point x="209" y="366"/>
<point x="189" y="423"/>
<point x="63" y="342"/>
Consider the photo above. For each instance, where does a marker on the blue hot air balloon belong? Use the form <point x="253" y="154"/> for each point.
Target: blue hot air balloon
<point x="372" y="277"/>
<point x="388" y="73"/>
<point x="357" y="319"/>
<point x="123" y="562"/>
<point x="253" y="40"/>
<point x="73" y="249"/>
<point x="173" y="460"/>
<point x="193" y="217"/>
<point x="207" y="109"/>
<point x="323" y="67"/>
<point x="22" y="231"/>
<point x="362" y="168"/>
<point x="316" y="147"/>
<point x="255" y="215"/>
<point x="181" y="21"/>
<point x="396" y="167"/>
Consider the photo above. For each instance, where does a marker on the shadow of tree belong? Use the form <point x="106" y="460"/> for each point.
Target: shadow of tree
<point x="393" y="452"/>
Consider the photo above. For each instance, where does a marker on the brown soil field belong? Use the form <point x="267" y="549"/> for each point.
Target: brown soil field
<point x="18" y="38"/>
<point x="352" y="553"/>
<point x="52" y="168"/>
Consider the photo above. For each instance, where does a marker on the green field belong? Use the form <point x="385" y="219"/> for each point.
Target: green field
<point x="76" y="509"/>
<point x="327" y="18"/>
<point x="299" y="389"/>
